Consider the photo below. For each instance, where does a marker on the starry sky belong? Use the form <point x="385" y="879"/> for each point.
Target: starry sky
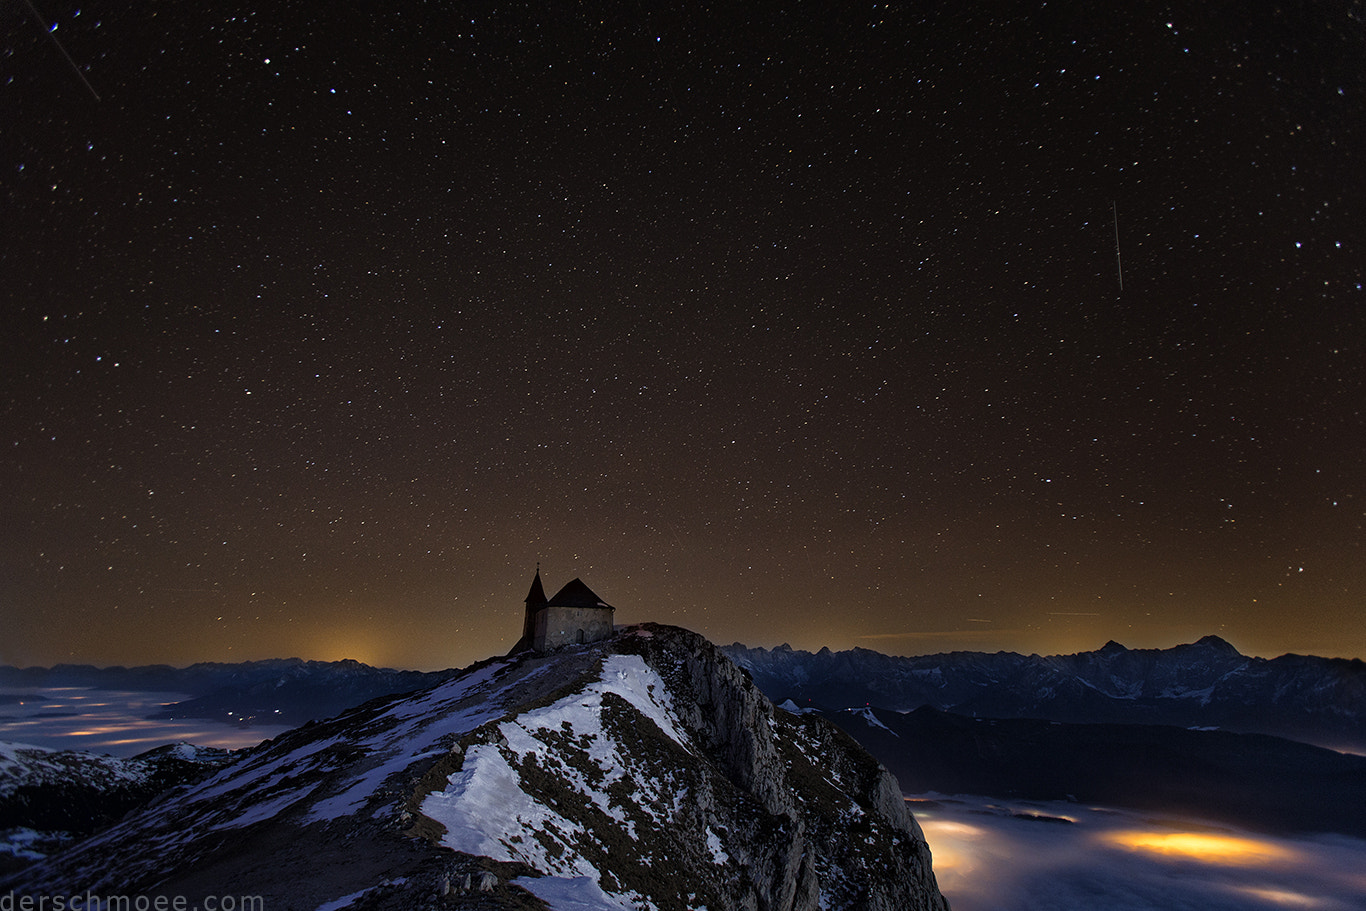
<point x="914" y="327"/>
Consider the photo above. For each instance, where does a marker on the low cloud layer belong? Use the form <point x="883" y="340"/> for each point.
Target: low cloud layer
<point x="110" y="721"/>
<point x="1063" y="857"/>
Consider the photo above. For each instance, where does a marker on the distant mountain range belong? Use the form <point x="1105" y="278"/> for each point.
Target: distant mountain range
<point x="1203" y="684"/>
<point x="1197" y="730"/>
<point x="1206" y="684"/>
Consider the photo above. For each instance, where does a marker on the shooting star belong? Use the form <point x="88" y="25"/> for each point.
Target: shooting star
<point x="52" y="33"/>
<point x="1119" y="263"/>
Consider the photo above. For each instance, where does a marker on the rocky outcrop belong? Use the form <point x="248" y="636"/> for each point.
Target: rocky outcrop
<point x="834" y="822"/>
<point x="644" y="771"/>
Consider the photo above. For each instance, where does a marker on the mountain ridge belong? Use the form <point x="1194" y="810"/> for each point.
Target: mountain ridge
<point x="645" y="771"/>
<point x="48" y="798"/>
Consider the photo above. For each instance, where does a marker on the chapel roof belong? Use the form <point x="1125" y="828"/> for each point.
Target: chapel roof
<point x="576" y="594"/>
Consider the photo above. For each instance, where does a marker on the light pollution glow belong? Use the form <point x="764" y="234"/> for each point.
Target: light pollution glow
<point x="113" y="722"/>
<point x="993" y="857"/>
<point x="1204" y="847"/>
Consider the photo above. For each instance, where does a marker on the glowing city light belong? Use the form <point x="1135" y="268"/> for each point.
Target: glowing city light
<point x="1204" y="847"/>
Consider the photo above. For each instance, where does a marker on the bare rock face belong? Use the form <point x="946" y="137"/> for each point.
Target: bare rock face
<point x="833" y="821"/>
<point x="644" y="771"/>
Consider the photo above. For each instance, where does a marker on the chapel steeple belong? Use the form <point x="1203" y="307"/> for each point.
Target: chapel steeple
<point x="537" y="594"/>
<point x="535" y="600"/>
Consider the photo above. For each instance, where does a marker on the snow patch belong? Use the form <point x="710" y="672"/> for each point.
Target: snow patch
<point x="714" y="846"/>
<point x="635" y="681"/>
<point x="268" y="809"/>
<point x="24" y="843"/>
<point x="484" y="809"/>
<point x="1178" y="693"/>
<point x="345" y="901"/>
<point x="867" y="715"/>
<point x="421" y="724"/>
<point x="578" y="893"/>
<point x="191" y="753"/>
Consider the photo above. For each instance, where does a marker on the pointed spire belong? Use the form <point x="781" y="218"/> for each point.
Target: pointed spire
<point x="537" y="594"/>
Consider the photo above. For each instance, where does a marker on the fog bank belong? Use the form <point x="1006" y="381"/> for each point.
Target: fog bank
<point x="992" y="855"/>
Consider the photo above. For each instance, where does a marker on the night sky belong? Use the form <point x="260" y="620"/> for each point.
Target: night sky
<point x="323" y="323"/>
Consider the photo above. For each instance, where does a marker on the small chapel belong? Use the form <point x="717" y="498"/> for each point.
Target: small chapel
<point x="575" y="615"/>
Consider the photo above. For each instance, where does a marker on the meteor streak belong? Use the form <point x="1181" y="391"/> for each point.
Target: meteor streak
<point x="51" y="33"/>
<point x="1119" y="264"/>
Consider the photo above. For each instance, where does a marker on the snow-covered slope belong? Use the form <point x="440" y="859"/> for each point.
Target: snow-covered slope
<point x="645" y="771"/>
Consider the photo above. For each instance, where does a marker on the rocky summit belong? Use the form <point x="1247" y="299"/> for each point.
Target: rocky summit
<point x="645" y="771"/>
